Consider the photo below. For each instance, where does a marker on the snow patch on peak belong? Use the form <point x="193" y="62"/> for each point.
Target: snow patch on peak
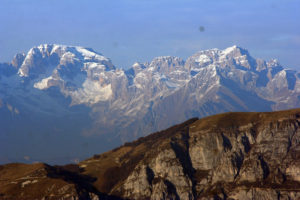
<point x="93" y="65"/>
<point x="203" y="59"/>
<point x="229" y="49"/>
<point x="92" y="92"/>
<point x="282" y="73"/>
<point x="89" y="54"/>
<point x="31" y="52"/>
<point x="234" y="52"/>
<point x="136" y="64"/>
<point x="43" y="84"/>
<point x="40" y="58"/>
<point x="44" y="47"/>
<point x="273" y="63"/>
<point x="68" y="56"/>
<point x="86" y="53"/>
<point x="21" y="73"/>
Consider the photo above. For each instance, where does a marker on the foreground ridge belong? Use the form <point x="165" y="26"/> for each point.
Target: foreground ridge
<point x="226" y="156"/>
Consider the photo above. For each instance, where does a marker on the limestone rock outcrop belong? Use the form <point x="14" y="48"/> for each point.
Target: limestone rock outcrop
<point x="226" y="156"/>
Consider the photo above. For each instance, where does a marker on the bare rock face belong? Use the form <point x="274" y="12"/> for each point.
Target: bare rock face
<point x="230" y="156"/>
<point x="53" y="84"/>
<point x="226" y="156"/>
<point x="164" y="177"/>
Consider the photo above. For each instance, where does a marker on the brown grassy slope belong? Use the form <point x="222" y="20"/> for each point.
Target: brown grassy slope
<point x="36" y="181"/>
<point x="112" y="167"/>
<point x="24" y="181"/>
<point x="236" y="119"/>
<point x="107" y="171"/>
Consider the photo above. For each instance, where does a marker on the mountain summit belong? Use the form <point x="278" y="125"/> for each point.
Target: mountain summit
<point x="75" y="94"/>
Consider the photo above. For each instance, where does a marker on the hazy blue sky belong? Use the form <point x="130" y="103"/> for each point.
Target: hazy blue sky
<point x="138" y="30"/>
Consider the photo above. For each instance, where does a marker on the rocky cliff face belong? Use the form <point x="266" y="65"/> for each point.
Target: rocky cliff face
<point x="226" y="156"/>
<point x="55" y="89"/>
<point x="231" y="156"/>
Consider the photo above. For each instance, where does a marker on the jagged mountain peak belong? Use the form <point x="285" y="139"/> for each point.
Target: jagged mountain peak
<point x="87" y="71"/>
<point x="60" y="49"/>
<point x="232" y="57"/>
<point x="166" y="64"/>
<point x="138" y="65"/>
<point x="166" y="59"/>
<point x="148" y="96"/>
<point x="41" y="57"/>
<point x="235" y="48"/>
<point x="226" y="51"/>
<point x="18" y="60"/>
<point x="273" y="63"/>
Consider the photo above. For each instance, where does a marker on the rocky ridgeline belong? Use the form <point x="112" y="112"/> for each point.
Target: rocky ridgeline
<point x="226" y="156"/>
<point x="55" y="89"/>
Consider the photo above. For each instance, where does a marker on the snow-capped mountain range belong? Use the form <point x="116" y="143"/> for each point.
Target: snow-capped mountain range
<point x="73" y="94"/>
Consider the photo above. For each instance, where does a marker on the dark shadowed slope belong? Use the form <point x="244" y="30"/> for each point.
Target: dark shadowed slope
<point x="226" y="156"/>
